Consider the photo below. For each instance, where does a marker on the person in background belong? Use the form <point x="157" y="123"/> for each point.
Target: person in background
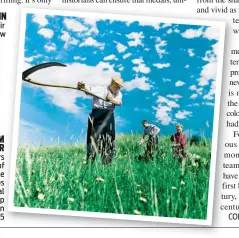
<point x="101" y="121"/>
<point x="152" y="132"/>
<point x="179" y="140"/>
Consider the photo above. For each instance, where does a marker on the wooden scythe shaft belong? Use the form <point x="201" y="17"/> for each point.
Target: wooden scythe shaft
<point x="62" y="86"/>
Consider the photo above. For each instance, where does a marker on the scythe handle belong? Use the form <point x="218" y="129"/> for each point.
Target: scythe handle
<point x="28" y="80"/>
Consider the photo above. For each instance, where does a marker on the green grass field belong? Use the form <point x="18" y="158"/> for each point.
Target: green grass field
<point x="58" y="178"/>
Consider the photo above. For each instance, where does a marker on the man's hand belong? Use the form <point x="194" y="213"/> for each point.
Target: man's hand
<point x="81" y="85"/>
<point x="109" y="97"/>
<point x="141" y="141"/>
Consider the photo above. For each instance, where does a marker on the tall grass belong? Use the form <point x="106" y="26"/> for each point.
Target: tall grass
<point x="58" y="178"/>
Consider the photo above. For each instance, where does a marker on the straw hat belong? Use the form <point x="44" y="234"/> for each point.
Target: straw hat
<point x="179" y="125"/>
<point x="118" y="81"/>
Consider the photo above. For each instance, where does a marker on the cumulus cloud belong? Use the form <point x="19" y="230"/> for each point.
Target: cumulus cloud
<point x="161" y="66"/>
<point x="110" y="57"/>
<point x="159" y="45"/>
<point x="41" y="20"/>
<point x="193" y="96"/>
<point x="195" y="88"/>
<point x="179" y="83"/>
<point x="92" y="42"/>
<point x="46" y="32"/>
<point x="50" y="47"/>
<point x="192" y="33"/>
<point x="120" y="47"/>
<point x="135" y="38"/>
<point x="170" y="31"/>
<point x="164" y="109"/>
<point x="137" y="83"/>
<point x="99" y="75"/>
<point x="176" y="97"/>
<point x="31" y="58"/>
<point x="166" y="80"/>
<point x="187" y="66"/>
<point x="211" y="33"/>
<point x="127" y="55"/>
<point x="183" y="114"/>
<point x="141" y="67"/>
<point x="68" y="39"/>
<point x="155" y="25"/>
<point x="190" y="52"/>
<point x="74" y="25"/>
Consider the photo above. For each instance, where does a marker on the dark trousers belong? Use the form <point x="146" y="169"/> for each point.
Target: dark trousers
<point x="101" y="135"/>
<point x="152" y="144"/>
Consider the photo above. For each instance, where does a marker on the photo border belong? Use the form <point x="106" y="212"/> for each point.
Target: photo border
<point x="221" y="25"/>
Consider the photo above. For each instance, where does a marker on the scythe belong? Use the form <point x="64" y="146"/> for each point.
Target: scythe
<point x="35" y="68"/>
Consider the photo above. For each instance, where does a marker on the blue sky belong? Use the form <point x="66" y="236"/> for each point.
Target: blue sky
<point x="169" y="72"/>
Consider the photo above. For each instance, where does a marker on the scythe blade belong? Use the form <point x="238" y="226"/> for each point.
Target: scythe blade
<point x="33" y="69"/>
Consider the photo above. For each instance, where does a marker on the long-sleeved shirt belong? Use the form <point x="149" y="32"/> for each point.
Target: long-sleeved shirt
<point x="150" y="130"/>
<point x="180" y="138"/>
<point x="102" y="91"/>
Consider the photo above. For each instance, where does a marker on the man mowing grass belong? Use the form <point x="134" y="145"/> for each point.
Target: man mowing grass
<point x="179" y="140"/>
<point x="101" y="121"/>
<point x="151" y="131"/>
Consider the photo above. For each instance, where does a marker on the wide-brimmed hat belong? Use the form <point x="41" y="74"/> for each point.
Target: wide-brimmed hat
<point x="179" y="125"/>
<point x="118" y="81"/>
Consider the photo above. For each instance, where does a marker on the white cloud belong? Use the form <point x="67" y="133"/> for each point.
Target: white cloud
<point x="90" y="22"/>
<point x="170" y="31"/>
<point x="120" y="47"/>
<point x="208" y="104"/>
<point x="79" y="58"/>
<point x="194" y="105"/>
<point x="92" y="42"/>
<point x="195" y="88"/>
<point x="139" y="83"/>
<point x="74" y="25"/>
<point x="135" y="38"/>
<point x="160" y="66"/>
<point x="138" y="61"/>
<point x="208" y="72"/>
<point x="50" y="47"/>
<point x="109" y="57"/>
<point x="141" y="66"/>
<point x="121" y="68"/>
<point x="159" y="44"/>
<point x="177" y="30"/>
<point x="40" y="20"/>
<point x="163" y="114"/>
<point x="211" y="93"/>
<point x="179" y="83"/>
<point x="192" y="33"/>
<point x="46" y="32"/>
<point x="155" y="25"/>
<point x="166" y="25"/>
<point x="68" y="39"/>
<point x="211" y="33"/>
<point x="174" y="96"/>
<point x="166" y="80"/>
<point x="164" y="109"/>
<point x="190" y="52"/>
<point x="30" y="59"/>
<point x="183" y="114"/>
<point x="127" y="55"/>
<point x="193" y="96"/>
<point x="187" y="66"/>
<point x="99" y="75"/>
